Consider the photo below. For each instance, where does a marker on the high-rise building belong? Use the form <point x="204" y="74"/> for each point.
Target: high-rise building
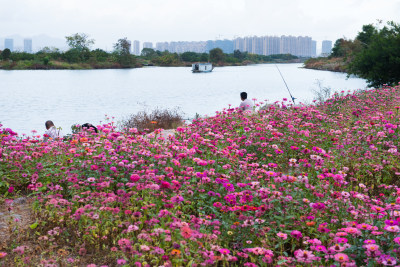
<point x="9" y="43"/>
<point x="136" y="47"/>
<point x="162" y="46"/>
<point x="289" y="45"/>
<point x="130" y="46"/>
<point x="326" y="47"/>
<point x="304" y="46"/>
<point x="273" y="45"/>
<point x="314" y="48"/>
<point x="28" y="45"/>
<point x="226" y="45"/>
<point x="148" y="45"/>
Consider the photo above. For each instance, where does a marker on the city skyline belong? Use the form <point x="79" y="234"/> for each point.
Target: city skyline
<point x="263" y="45"/>
<point x="174" y="20"/>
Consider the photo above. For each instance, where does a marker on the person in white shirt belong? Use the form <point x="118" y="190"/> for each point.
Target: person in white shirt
<point x="52" y="131"/>
<point x="246" y="104"/>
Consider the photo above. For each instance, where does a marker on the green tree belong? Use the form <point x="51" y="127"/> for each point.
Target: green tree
<point x="217" y="55"/>
<point x="79" y="41"/>
<point x="99" y="55"/>
<point x="367" y="34"/>
<point x="237" y="54"/>
<point x="379" y="61"/>
<point x="190" y="57"/>
<point x="72" y="56"/>
<point x="149" y="53"/>
<point x="6" y="54"/>
<point x="123" y="51"/>
<point x="204" y="57"/>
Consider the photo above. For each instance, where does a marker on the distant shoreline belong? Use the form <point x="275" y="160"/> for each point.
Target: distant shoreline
<point x="58" y="65"/>
<point x="337" y="64"/>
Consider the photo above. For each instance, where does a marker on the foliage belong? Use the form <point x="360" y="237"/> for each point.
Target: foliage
<point x="123" y="51"/>
<point x="216" y="55"/>
<point x="289" y="185"/>
<point x="149" y="53"/>
<point x="158" y="118"/>
<point x="190" y="57"/>
<point x="322" y="94"/>
<point x="81" y="57"/>
<point x="379" y="61"/>
<point x="79" y="41"/>
<point x="6" y="53"/>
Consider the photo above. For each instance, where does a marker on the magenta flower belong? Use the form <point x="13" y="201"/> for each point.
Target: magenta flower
<point x="224" y="251"/>
<point x="296" y="234"/>
<point x="121" y="261"/>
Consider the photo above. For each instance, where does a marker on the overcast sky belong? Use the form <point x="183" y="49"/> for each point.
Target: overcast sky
<point x="191" y="20"/>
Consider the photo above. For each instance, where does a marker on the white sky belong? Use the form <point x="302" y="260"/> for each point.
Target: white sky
<point x="191" y="20"/>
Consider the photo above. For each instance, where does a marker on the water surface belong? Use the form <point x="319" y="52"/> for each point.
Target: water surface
<point x="30" y="97"/>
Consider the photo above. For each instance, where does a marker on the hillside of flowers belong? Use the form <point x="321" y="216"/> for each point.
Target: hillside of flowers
<point x="288" y="185"/>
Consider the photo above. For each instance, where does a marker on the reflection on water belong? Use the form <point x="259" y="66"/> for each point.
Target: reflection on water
<point x="29" y="98"/>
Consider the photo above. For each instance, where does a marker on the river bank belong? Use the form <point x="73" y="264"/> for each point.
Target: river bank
<point x="62" y="65"/>
<point x="338" y="64"/>
<point x="281" y="185"/>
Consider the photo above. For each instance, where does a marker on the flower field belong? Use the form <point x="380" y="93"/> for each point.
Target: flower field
<point x="295" y="186"/>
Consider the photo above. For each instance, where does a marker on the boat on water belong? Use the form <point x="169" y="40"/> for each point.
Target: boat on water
<point x="202" y="67"/>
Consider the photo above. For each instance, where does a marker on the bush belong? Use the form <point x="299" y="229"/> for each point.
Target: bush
<point x="158" y="118"/>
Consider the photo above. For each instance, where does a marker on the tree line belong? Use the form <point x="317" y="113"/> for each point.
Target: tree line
<point x="80" y="52"/>
<point x="373" y="55"/>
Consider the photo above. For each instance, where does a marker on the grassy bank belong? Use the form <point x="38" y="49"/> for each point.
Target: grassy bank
<point x="324" y="63"/>
<point x="59" y="65"/>
<point x="305" y="185"/>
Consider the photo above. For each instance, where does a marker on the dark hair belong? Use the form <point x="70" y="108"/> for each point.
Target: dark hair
<point x="48" y="124"/>
<point x="89" y="126"/>
<point x="243" y="95"/>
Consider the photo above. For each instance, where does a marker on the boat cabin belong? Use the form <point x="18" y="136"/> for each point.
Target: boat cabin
<point x="202" y="67"/>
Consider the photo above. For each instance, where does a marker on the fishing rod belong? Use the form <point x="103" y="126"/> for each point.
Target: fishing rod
<point x="293" y="98"/>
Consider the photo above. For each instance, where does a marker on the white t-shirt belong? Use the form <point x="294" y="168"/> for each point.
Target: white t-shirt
<point x="246" y="105"/>
<point x="53" y="133"/>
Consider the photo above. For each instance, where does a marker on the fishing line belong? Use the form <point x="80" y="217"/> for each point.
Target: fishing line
<point x="293" y="98"/>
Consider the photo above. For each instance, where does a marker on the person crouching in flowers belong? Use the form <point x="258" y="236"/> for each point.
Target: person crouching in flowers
<point x="52" y="132"/>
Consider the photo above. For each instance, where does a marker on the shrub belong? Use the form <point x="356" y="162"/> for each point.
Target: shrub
<point x="158" y="118"/>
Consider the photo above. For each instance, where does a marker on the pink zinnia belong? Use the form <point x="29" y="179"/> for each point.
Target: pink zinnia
<point x="121" y="261"/>
<point x="186" y="232"/>
<point x="224" y="251"/>
<point x="282" y="235"/>
<point x="296" y="234"/>
<point x="392" y="228"/>
<point x="304" y="256"/>
<point x="341" y="257"/>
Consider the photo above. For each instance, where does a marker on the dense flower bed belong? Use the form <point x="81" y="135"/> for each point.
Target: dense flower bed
<point x="301" y="185"/>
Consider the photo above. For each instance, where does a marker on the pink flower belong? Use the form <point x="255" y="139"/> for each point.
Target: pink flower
<point x="341" y="257"/>
<point x="20" y="250"/>
<point x="304" y="256"/>
<point x="387" y="260"/>
<point x="317" y="206"/>
<point x="392" y="228"/>
<point x="224" y="251"/>
<point x="296" y="234"/>
<point x="10" y="189"/>
<point x="121" y="261"/>
<point x="282" y="235"/>
<point x="186" y="232"/>
<point x="135" y="177"/>
<point x="2" y="254"/>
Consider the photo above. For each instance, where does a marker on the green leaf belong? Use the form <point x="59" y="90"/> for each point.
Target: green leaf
<point x="34" y="225"/>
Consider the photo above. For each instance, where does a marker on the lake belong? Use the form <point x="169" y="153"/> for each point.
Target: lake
<point x="30" y="97"/>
